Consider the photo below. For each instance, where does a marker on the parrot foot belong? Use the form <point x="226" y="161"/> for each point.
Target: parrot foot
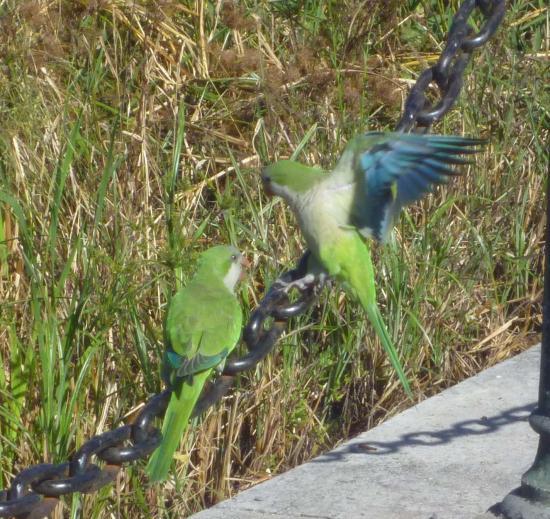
<point x="323" y="279"/>
<point x="301" y="284"/>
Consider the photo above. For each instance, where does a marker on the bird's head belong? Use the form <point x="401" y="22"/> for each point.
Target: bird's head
<point x="288" y="178"/>
<point x="224" y="262"/>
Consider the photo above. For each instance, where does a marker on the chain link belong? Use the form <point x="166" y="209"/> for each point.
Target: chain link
<point x="35" y="491"/>
<point x="448" y="72"/>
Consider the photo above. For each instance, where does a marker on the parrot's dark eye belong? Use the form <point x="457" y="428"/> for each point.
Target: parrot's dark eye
<point x="233" y="257"/>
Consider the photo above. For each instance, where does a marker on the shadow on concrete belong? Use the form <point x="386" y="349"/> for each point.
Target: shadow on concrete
<point x="484" y="425"/>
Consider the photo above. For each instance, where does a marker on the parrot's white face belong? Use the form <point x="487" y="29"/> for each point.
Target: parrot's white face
<point x="235" y="272"/>
<point x="222" y="263"/>
<point x="232" y="277"/>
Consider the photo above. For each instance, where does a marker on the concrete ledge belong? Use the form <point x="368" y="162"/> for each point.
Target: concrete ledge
<point x="451" y="457"/>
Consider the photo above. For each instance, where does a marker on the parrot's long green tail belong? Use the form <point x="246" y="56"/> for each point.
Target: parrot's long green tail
<point x="362" y="279"/>
<point x="176" y="419"/>
<point x="376" y="319"/>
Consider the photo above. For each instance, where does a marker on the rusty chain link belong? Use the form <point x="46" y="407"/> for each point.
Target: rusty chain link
<point x="35" y="491"/>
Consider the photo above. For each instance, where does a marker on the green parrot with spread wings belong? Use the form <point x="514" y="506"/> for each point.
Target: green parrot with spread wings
<point x="337" y="211"/>
<point x="202" y="327"/>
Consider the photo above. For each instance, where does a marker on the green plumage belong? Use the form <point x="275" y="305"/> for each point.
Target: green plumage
<point x="376" y="176"/>
<point x="202" y="327"/>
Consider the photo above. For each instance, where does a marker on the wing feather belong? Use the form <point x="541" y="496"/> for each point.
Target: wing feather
<point x="202" y="327"/>
<point x="399" y="169"/>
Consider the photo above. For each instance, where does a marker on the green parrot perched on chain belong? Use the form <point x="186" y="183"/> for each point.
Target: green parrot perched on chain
<point x="202" y="327"/>
<point x="337" y="211"/>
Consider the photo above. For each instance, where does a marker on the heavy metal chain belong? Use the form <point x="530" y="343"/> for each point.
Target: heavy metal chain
<point x="35" y="491"/>
<point x="448" y="72"/>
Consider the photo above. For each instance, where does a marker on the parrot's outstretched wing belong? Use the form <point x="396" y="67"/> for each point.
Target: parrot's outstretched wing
<point x="398" y="169"/>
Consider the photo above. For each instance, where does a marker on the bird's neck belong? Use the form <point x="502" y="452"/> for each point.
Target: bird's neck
<point x="216" y="282"/>
<point x="231" y="279"/>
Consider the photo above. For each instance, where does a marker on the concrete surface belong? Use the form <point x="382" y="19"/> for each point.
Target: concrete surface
<point x="450" y="457"/>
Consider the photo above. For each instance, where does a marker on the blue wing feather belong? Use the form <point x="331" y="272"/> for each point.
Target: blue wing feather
<point x="400" y="169"/>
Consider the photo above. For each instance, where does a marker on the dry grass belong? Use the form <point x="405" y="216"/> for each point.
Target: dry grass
<point x="97" y="225"/>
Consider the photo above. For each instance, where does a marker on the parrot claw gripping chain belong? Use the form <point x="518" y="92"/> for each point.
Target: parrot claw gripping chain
<point x="301" y="284"/>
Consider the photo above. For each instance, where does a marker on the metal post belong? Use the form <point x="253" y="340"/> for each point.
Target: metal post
<point x="532" y="499"/>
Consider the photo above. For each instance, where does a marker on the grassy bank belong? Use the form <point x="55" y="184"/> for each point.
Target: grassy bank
<point x="102" y="215"/>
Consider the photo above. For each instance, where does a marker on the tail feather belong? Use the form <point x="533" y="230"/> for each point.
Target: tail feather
<point x="176" y="419"/>
<point x="361" y="274"/>
<point x="380" y="328"/>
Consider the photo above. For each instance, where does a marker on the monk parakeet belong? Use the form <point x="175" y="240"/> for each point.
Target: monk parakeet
<point x="337" y="211"/>
<point x="202" y="327"/>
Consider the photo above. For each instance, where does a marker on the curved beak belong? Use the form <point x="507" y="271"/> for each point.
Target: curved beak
<point x="266" y="183"/>
<point x="245" y="264"/>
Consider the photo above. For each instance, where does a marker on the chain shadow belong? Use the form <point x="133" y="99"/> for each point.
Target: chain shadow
<point x="484" y="425"/>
